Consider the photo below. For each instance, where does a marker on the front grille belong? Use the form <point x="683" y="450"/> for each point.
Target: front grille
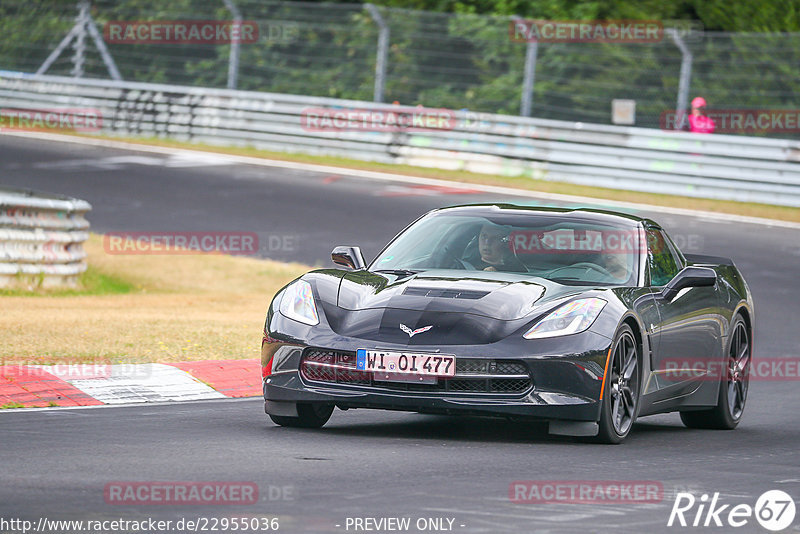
<point x="471" y="366"/>
<point x="457" y="384"/>
<point x="507" y="385"/>
<point x="329" y="366"/>
<point x="493" y="376"/>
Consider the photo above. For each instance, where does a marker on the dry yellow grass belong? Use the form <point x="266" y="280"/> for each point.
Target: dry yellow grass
<point x="183" y="307"/>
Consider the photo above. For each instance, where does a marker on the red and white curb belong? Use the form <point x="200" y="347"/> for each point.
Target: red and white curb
<point x="93" y="385"/>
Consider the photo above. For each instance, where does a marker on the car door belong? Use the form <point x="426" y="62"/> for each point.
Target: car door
<point x="690" y="328"/>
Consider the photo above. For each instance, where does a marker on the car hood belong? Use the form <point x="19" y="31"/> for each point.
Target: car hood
<point x="502" y="296"/>
<point x="459" y="307"/>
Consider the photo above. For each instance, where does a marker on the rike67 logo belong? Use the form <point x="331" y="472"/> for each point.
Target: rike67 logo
<point x="774" y="510"/>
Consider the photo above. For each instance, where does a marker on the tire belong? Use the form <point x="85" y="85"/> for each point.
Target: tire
<point x="733" y="387"/>
<point x="310" y="416"/>
<point x="621" y="390"/>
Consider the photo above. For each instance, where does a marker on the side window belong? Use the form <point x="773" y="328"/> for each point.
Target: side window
<point x="661" y="261"/>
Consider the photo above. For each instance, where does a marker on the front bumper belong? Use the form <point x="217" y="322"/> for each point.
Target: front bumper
<point x="566" y="379"/>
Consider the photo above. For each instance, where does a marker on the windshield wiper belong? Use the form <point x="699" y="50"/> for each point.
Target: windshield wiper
<point x="398" y="272"/>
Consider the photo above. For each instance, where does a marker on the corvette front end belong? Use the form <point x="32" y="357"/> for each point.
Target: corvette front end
<point x="498" y="372"/>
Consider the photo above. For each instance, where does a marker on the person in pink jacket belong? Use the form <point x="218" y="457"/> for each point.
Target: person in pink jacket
<point x="699" y="122"/>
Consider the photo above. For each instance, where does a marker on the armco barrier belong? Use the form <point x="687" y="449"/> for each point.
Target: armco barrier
<point x="41" y="238"/>
<point x="750" y="169"/>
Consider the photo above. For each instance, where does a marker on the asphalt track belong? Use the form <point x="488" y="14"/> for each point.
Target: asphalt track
<point x="55" y="463"/>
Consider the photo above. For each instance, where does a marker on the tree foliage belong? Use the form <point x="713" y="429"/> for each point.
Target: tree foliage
<point x="456" y="54"/>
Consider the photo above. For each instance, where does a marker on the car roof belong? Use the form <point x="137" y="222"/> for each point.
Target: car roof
<point x="582" y="214"/>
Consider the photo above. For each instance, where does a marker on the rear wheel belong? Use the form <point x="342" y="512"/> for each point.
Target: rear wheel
<point x="733" y="387"/>
<point x="620" y="403"/>
<point x="309" y="416"/>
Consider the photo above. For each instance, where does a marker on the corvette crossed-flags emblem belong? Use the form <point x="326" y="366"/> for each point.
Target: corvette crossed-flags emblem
<point x="412" y="333"/>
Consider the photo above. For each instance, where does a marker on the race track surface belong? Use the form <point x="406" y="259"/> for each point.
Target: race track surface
<point x="366" y="463"/>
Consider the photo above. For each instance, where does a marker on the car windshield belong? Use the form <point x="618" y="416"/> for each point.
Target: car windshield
<point x="570" y="251"/>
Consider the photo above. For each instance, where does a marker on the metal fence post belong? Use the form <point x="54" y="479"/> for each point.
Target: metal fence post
<point x="101" y="46"/>
<point x="83" y="24"/>
<point x="531" y="52"/>
<point x="233" y="60"/>
<point x="79" y="45"/>
<point x="685" y="79"/>
<point x="383" y="50"/>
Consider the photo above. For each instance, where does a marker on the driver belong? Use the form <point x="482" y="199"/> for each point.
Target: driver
<point x="495" y="251"/>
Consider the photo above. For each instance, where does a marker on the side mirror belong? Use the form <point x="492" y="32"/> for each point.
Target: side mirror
<point x="689" y="277"/>
<point x="349" y="257"/>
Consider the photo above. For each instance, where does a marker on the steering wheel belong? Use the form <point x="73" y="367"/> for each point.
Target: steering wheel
<point x="584" y="265"/>
<point x="446" y="259"/>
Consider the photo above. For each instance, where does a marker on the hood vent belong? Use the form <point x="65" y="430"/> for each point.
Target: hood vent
<point x="436" y="292"/>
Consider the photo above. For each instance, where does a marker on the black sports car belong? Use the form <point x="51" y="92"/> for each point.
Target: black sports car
<point x="586" y="319"/>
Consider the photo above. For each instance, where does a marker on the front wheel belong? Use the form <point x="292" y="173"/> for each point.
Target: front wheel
<point x="309" y="416"/>
<point x="732" y="388"/>
<point x="620" y="402"/>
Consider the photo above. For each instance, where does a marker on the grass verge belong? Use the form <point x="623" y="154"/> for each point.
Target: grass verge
<point x="520" y="182"/>
<point x="91" y="282"/>
<point x="145" y="308"/>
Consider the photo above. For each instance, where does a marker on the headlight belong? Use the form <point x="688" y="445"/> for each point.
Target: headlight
<point x="571" y="318"/>
<point x="298" y="303"/>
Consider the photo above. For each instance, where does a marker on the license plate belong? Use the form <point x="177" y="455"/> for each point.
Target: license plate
<point x="405" y="363"/>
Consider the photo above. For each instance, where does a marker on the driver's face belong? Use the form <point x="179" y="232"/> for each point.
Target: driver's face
<point x="491" y="242"/>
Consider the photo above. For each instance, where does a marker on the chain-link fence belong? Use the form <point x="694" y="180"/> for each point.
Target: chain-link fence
<point x="361" y="52"/>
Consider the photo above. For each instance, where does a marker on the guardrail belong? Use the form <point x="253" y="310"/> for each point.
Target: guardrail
<point x="41" y="239"/>
<point x="749" y="169"/>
